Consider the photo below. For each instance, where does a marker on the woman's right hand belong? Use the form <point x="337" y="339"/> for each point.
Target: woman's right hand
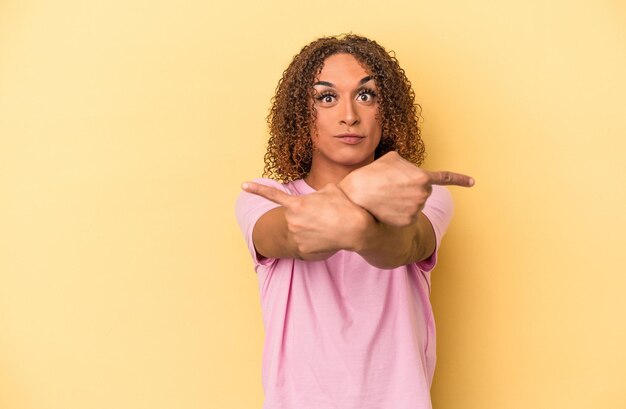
<point x="315" y="225"/>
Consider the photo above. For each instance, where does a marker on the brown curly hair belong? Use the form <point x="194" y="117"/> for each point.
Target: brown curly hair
<point x="292" y="115"/>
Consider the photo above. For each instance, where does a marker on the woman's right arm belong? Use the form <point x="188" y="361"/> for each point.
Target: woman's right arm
<point x="308" y="227"/>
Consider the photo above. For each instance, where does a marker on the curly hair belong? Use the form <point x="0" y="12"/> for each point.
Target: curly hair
<point x="290" y="148"/>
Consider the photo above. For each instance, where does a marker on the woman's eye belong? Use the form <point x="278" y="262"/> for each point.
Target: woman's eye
<point x="326" y="98"/>
<point x="366" y="96"/>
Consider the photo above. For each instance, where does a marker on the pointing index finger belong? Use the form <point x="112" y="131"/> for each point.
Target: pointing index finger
<point x="268" y="192"/>
<point x="450" y="178"/>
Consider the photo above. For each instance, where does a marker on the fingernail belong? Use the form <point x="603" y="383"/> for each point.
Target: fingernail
<point x="471" y="181"/>
<point x="245" y="186"/>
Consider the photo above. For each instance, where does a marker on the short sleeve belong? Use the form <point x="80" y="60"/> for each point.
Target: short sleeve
<point x="249" y="208"/>
<point x="438" y="209"/>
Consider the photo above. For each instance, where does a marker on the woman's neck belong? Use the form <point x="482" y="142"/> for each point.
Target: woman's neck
<point x="319" y="177"/>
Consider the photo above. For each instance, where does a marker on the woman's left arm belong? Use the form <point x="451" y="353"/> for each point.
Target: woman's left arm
<point x="395" y="192"/>
<point x="387" y="246"/>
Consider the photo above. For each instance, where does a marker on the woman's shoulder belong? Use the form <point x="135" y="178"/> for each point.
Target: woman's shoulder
<point x="246" y="199"/>
<point x="294" y="187"/>
<point x="272" y="183"/>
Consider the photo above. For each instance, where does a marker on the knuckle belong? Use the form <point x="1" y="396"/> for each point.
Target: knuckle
<point x="304" y="248"/>
<point x="294" y="225"/>
<point x="404" y="220"/>
<point x="296" y="205"/>
<point x="291" y="228"/>
<point x="421" y="178"/>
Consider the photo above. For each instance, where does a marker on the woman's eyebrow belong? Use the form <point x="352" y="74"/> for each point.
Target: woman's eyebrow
<point x="325" y="83"/>
<point x="330" y="84"/>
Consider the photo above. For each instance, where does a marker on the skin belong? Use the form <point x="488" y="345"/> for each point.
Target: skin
<point x="346" y="103"/>
<point x="371" y="207"/>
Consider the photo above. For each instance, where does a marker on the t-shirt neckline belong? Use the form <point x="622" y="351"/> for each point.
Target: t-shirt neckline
<point x="302" y="187"/>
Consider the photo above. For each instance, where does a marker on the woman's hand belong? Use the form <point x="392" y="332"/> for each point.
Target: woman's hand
<point x="318" y="224"/>
<point x="394" y="190"/>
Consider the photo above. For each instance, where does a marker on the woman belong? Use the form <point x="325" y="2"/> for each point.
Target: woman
<point x="345" y="237"/>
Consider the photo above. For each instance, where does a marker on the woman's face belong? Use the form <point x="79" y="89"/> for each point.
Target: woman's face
<point x="348" y="129"/>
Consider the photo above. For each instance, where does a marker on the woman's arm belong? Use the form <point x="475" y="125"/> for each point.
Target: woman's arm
<point x="388" y="246"/>
<point x="395" y="192"/>
<point x="309" y="227"/>
<point x="315" y="226"/>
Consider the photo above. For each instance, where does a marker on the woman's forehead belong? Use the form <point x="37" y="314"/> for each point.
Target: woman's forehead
<point x="342" y="69"/>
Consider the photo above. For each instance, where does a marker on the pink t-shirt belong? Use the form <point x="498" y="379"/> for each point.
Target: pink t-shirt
<point x="340" y="333"/>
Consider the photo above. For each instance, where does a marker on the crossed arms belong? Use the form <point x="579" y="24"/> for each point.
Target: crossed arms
<point x="375" y="211"/>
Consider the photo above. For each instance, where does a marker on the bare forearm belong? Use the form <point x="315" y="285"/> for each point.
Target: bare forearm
<point x="390" y="247"/>
<point x="315" y="226"/>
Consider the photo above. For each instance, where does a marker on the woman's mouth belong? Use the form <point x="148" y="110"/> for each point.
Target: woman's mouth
<point x="350" y="139"/>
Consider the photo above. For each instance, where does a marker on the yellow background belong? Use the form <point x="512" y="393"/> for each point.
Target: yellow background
<point x="126" y="128"/>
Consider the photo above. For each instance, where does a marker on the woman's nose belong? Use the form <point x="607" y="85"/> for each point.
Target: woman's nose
<point x="349" y="114"/>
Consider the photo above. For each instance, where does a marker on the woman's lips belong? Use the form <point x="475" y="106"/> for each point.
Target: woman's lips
<point x="350" y="139"/>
